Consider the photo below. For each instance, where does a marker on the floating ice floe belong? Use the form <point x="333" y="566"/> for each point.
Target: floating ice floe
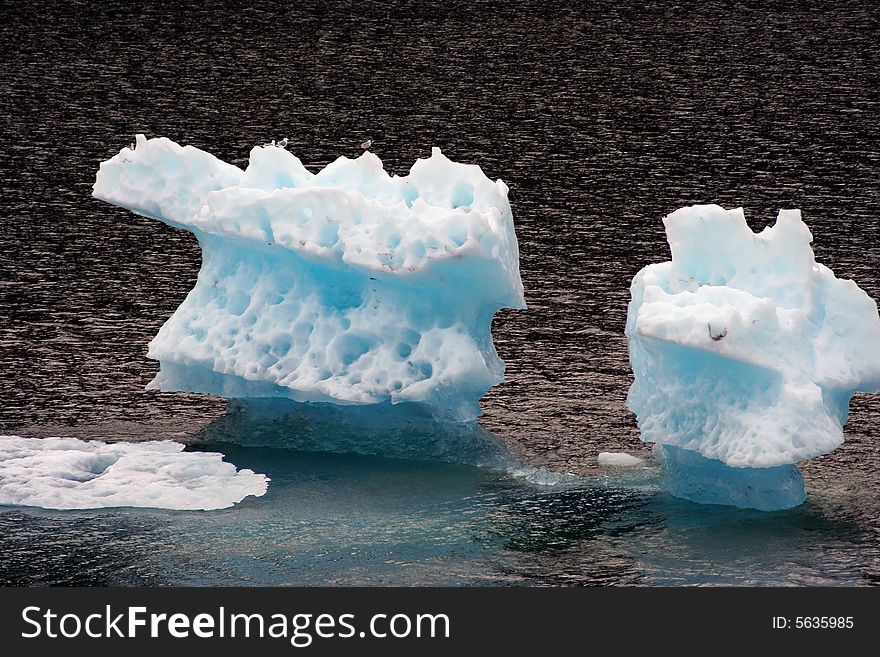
<point x="348" y="286"/>
<point x="68" y="473"/>
<point x="618" y="459"/>
<point x="745" y="353"/>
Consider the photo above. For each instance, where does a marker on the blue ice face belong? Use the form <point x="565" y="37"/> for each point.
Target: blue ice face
<point x="709" y="481"/>
<point x="745" y="353"/>
<point x="348" y="286"/>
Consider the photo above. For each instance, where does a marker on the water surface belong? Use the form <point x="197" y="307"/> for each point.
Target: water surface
<point x="601" y="120"/>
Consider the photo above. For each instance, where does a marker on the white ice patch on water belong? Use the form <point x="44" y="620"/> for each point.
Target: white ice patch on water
<point x="618" y="459"/>
<point x="68" y="473"/>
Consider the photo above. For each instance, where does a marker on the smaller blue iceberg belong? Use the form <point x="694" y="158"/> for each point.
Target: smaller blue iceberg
<point x="745" y="353"/>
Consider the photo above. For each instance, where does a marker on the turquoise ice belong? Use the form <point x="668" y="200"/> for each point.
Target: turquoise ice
<point x="349" y="286"/>
<point x="745" y="353"/>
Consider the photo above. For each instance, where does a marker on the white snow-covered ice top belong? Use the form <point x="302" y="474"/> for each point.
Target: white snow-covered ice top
<point x="68" y="473"/>
<point x="744" y="349"/>
<point x="349" y="286"/>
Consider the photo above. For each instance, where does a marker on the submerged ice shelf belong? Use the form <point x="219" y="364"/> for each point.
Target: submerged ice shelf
<point x="745" y="353"/>
<point x="348" y="286"/>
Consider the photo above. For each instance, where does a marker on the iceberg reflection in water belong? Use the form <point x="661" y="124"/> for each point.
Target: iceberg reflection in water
<point x="405" y="431"/>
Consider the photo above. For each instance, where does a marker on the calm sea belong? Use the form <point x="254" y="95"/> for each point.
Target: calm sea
<point x="600" y="119"/>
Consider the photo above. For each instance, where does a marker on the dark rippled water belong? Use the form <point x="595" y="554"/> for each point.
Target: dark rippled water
<point x="601" y="120"/>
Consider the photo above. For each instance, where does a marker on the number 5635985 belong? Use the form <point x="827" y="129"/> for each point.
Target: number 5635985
<point x="823" y="622"/>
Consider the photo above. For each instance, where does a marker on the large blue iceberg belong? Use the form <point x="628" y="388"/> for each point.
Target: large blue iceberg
<point x="745" y="353"/>
<point x="349" y="286"/>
